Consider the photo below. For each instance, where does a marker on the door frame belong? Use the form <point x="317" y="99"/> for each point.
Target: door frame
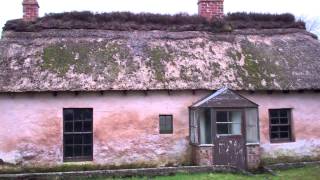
<point x="243" y="129"/>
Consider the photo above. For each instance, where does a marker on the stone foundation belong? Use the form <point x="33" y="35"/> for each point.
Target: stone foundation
<point x="253" y="156"/>
<point x="202" y="155"/>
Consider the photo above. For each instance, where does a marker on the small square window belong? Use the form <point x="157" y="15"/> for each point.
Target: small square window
<point x="280" y="125"/>
<point x="166" y="124"/>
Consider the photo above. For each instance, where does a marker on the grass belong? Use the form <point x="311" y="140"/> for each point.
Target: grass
<point x="304" y="173"/>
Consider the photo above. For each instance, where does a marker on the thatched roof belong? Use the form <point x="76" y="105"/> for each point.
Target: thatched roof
<point x="96" y="60"/>
<point x="127" y="21"/>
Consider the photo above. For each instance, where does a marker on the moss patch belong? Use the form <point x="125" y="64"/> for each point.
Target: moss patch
<point x="103" y="58"/>
<point x="158" y="56"/>
<point x="57" y="59"/>
<point x="234" y="54"/>
<point x="258" y="66"/>
<point x="190" y="74"/>
<point x="290" y="156"/>
<point x="288" y="159"/>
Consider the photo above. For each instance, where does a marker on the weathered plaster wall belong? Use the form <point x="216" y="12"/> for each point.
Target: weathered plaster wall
<point x="306" y="123"/>
<point x="126" y="127"/>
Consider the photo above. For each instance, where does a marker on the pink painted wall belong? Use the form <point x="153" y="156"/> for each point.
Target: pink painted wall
<point x="306" y="126"/>
<point x="126" y="126"/>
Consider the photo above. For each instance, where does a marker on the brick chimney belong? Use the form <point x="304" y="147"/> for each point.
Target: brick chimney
<point x="30" y="10"/>
<point x="211" y="9"/>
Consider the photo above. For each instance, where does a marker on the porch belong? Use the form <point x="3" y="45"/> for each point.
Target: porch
<point x="224" y="130"/>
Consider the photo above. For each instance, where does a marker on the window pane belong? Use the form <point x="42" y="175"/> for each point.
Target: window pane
<point x="87" y="150"/>
<point x="88" y="115"/>
<point x="274" y="113"/>
<point x="274" y="120"/>
<point x="274" y="135"/>
<point x="68" y="151"/>
<point x="208" y="127"/>
<point x="284" y="135"/>
<point x="68" y="126"/>
<point x="78" y="150"/>
<point x="68" y="115"/>
<point x="222" y="116"/>
<point x="194" y="126"/>
<point x="169" y="118"/>
<point x="205" y="126"/>
<point x="68" y="139"/>
<point x="223" y="128"/>
<point x="79" y="114"/>
<point x="169" y="124"/>
<point x="236" y="129"/>
<point x="284" y="121"/>
<point x="87" y="139"/>
<point x="236" y="122"/>
<point x="77" y="139"/>
<point x="78" y="126"/>
<point x="162" y="123"/>
<point x="236" y="117"/>
<point x="284" y="128"/>
<point x="275" y="129"/>
<point x="252" y="125"/>
<point x="162" y="118"/>
<point x="283" y="113"/>
<point x="87" y="126"/>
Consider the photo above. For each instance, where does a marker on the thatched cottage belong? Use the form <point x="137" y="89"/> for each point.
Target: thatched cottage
<point x="158" y="90"/>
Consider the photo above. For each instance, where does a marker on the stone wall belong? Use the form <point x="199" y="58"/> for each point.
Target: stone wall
<point x="202" y="155"/>
<point x="253" y="156"/>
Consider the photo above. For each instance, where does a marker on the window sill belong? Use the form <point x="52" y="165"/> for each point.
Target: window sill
<point x="252" y="144"/>
<point x="77" y="162"/>
<point x="279" y="141"/>
<point x="206" y="145"/>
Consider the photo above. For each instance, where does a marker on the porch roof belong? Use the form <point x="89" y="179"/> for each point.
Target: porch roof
<point x="225" y="98"/>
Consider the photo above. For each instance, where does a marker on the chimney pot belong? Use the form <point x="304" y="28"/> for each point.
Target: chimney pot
<point x="30" y="10"/>
<point x="211" y="9"/>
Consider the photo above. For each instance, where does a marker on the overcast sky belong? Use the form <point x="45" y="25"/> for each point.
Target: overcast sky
<point x="12" y="9"/>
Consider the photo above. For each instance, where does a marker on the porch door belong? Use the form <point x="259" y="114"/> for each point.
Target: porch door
<point x="229" y="141"/>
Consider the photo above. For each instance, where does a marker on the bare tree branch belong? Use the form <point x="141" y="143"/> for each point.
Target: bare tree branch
<point x="312" y="24"/>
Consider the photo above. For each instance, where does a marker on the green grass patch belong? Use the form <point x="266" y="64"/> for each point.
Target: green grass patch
<point x="304" y="173"/>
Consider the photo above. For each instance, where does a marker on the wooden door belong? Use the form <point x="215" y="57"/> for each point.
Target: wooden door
<point x="229" y="141"/>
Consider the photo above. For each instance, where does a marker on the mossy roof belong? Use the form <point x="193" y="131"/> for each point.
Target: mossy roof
<point x="97" y="60"/>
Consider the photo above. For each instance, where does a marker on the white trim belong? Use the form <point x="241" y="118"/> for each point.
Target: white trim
<point x="206" y="145"/>
<point x="211" y="96"/>
<point x="248" y="144"/>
